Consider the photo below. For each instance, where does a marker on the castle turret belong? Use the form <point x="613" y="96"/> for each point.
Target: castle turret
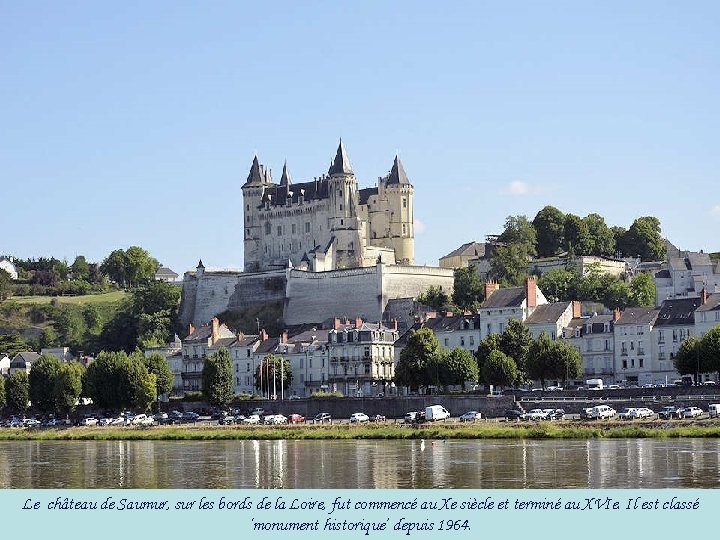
<point x="343" y="191"/>
<point x="253" y="190"/>
<point x="396" y="227"/>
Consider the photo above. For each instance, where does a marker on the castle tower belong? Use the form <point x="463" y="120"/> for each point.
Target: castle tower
<point x="253" y="190"/>
<point x="399" y="192"/>
<point x="342" y="211"/>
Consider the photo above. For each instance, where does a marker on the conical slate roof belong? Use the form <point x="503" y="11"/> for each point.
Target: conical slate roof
<point x="397" y="173"/>
<point x="255" y="176"/>
<point x="341" y="165"/>
<point x="285" y="178"/>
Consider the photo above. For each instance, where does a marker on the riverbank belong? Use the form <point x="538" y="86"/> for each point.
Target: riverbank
<point x="484" y="430"/>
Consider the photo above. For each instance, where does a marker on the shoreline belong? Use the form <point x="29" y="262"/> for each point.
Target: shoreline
<point x="450" y="431"/>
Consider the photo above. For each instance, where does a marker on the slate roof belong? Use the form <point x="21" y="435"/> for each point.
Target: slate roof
<point x="546" y="313"/>
<point x="224" y="342"/>
<point x="22" y="359"/>
<point x="285" y="178"/>
<point x="638" y="315"/>
<point x="164" y="271"/>
<point x="341" y="164"/>
<point x="678" y="311"/>
<point x="268" y="346"/>
<point x="679" y="263"/>
<point x="510" y="297"/>
<point x="698" y="259"/>
<point x="244" y="341"/>
<point x="469" y="249"/>
<point x="397" y="173"/>
<point x="663" y="274"/>
<point x="277" y="194"/>
<point x="712" y="304"/>
<point x="451" y="323"/>
<point x="366" y="193"/>
<point x="200" y="334"/>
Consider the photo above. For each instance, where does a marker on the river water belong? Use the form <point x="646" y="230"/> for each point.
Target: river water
<point x="621" y="463"/>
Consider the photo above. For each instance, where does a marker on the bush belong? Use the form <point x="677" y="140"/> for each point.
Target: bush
<point x="323" y="394"/>
<point x="193" y="396"/>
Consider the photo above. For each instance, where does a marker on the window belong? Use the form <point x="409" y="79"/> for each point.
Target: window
<point x="462" y="341"/>
<point x="293" y="228"/>
<point x="248" y="366"/>
<point x="447" y="342"/>
<point x="310" y="363"/>
<point x="404" y="202"/>
<point x="302" y="363"/>
<point x="624" y="364"/>
<point x="267" y="227"/>
<point x="341" y="207"/>
<point x="641" y="362"/>
<point x="307" y="226"/>
<point x="632" y="362"/>
<point x="279" y="230"/>
<point x="404" y="230"/>
<point x="472" y="341"/>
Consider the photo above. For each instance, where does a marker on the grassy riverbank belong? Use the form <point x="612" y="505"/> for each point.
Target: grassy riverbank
<point x="489" y="430"/>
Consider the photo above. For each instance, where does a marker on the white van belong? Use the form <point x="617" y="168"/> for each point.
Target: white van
<point x="714" y="410"/>
<point x="601" y="411"/>
<point x="436" y="412"/>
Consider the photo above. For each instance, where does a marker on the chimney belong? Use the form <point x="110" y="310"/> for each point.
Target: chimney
<point x="358" y="323"/>
<point x="240" y="336"/>
<point x="531" y="292"/>
<point x="490" y="287"/>
<point x="616" y="314"/>
<point x="263" y="335"/>
<point x="430" y="314"/>
<point x="191" y="328"/>
<point x="393" y="324"/>
<point x="284" y="336"/>
<point x="703" y="296"/>
<point x="576" y="309"/>
<point x="215" y="330"/>
<point x="336" y="323"/>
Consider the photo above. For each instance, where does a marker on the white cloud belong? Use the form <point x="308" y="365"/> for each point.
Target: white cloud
<point x="715" y="212"/>
<point x="517" y="188"/>
<point x="419" y="226"/>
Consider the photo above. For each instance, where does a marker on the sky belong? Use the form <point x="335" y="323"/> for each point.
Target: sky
<point x="135" y="123"/>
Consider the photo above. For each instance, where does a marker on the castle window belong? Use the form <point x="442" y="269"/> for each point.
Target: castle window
<point x="341" y="206"/>
<point x="341" y="222"/>
<point x="403" y="229"/>
<point x="267" y="227"/>
<point x="404" y="202"/>
<point x="307" y="226"/>
<point x="279" y="230"/>
<point x="247" y="207"/>
<point x="293" y="228"/>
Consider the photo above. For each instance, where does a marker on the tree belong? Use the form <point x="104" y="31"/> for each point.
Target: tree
<point x="140" y="266"/>
<point x="500" y="369"/>
<point x="11" y="344"/>
<point x="642" y="290"/>
<point x="457" y="367"/>
<point x="137" y="385"/>
<point x="540" y="359"/>
<point x="154" y="329"/>
<point x="468" y="290"/>
<point x="68" y="387"/>
<point x="558" y="285"/>
<point x="509" y="265"/>
<point x="80" y="268"/>
<point x="710" y="351"/>
<point x="158" y="365"/>
<point x="273" y="374"/>
<point x="601" y="237"/>
<point x="5" y="285"/>
<point x="120" y="333"/>
<point x="515" y="342"/>
<point x="115" y="380"/>
<point x="420" y="351"/>
<point x="217" y="382"/>
<point x="70" y="326"/>
<point x="687" y="358"/>
<point x="3" y="400"/>
<point x="490" y="343"/>
<point x="42" y="379"/>
<point x="549" y="226"/>
<point x="566" y="360"/>
<point x="615" y="293"/>
<point x="436" y="298"/>
<point x="520" y="232"/>
<point x="115" y="267"/>
<point x="643" y="239"/>
<point x="17" y="391"/>
<point x="577" y="235"/>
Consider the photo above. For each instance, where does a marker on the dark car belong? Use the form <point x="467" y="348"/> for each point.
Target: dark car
<point x="190" y="416"/>
<point x="668" y="412"/>
<point x="585" y="414"/>
<point x="322" y="418"/>
<point x="513" y="414"/>
<point x="556" y="414"/>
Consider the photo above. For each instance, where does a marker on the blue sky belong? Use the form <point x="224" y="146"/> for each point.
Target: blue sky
<point x="136" y="123"/>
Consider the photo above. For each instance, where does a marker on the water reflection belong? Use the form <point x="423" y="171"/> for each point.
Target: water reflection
<point x="623" y="463"/>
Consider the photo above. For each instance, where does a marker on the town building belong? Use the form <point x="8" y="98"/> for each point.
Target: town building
<point x="4" y="365"/>
<point x="707" y="315"/>
<point x="8" y="264"/>
<point x="594" y="337"/>
<point x="552" y="318"/>
<point x="22" y="361"/>
<point x="199" y="344"/>
<point x="634" y="362"/>
<point x="165" y="274"/>
<point x="685" y="276"/>
<point x="674" y="324"/>
<point x="502" y="305"/>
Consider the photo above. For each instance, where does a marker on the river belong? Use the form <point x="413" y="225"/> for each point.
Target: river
<point x="616" y="463"/>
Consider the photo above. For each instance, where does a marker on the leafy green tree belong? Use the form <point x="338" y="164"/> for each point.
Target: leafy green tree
<point x="643" y="239"/>
<point x="115" y="267"/>
<point x="577" y="235"/>
<point x="92" y="318"/>
<point x="42" y="378"/>
<point x="566" y="360"/>
<point x="137" y="385"/>
<point x="436" y="298"/>
<point x="80" y="268"/>
<point x="68" y="387"/>
<point x="615" y="293"/>
<point x="120" y="333"/>
<point x="276" y="374"/>
<point x="457" y="367"/>
<point x="217" y="382"/>
<point x="602" y="238"/>
<point x="549" y="226"/>
<point x="687" y="359"/>
<point x="509" y="265"/>
<point x="515" y="342"/>
<point x="141" y="267"/>
<point x="421" y="350"/>
<point x="3" y="399"/>
<point x="115" y="381"/>
<point x="558" y="285"/>
<point x="11" y="344"/>
<point x="500" y="369"/>
<point x="520" y="232"/>
<point x="48" y="338"/>
<point x="70" y="326"/>
<point x="154" y="297"/>
<point x="17" y="391"/>
<point x="468" y="289"/>
<point x="540" y="362"/>
<point x="486" y="346"/>
<point x="642" y="290"/>
<point x="158" y="365"/>
<point x="710" y="350"/>
<point x="154" y="329"/>
<point x="5" y="285"/>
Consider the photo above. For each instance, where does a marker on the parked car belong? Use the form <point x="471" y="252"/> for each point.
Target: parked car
<point x="378" y="418"/>
<point x="554" y="414"/>
<point x="602" y="411"/>
<point x="296" y="418"/>
<point x="514" y="414"/>
<point x="359" y="417"/>
<point x="259" y="411"/>
<point x="554" y="388"/>
<point x="411" y="417"/>
<point x="644" y="412"/>
<point x="119" y="421"/>
<point x="190" y="416"/>
<point x="31" y="422"/>
<point x="89" y="421"/>
<point x="252" y="419"/>
<point x="322" y="418"/>
<point x="105" y="421"/>
<point x="628" y="413"/>
<point x="15" y="422"/>
<point x="668" y="412"/>
<point x="471" y="416"/>
<point x="276" y="419"/>
<point x="585" y="414"/>
<point x="714" y="410"/>
<point x="535" y="414"/>
<point x="226" y="420"/>
<point x="692" y="412"/>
